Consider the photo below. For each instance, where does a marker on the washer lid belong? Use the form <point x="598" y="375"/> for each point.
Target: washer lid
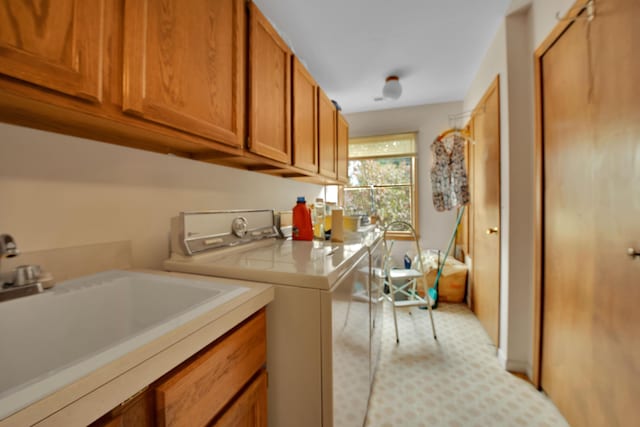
<point x="283" y="262"/>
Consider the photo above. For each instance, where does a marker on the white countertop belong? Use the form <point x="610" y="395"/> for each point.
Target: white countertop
<point x="101" y="385"/>
<point x="284" y="262"/>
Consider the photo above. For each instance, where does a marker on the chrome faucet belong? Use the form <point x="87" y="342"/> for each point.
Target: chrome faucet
<point x="25" y="277"/>
<point x="8" y="247"/>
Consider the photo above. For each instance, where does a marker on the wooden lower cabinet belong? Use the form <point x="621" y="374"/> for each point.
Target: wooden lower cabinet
<point x="225" y="384"/>
<point x="249" y="408"/>
<point x="138" y="411"/>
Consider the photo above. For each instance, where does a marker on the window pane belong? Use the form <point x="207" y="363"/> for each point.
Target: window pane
<point x="394" y="171"/>
<point x="401" y="144"/>
<point x="389" y="203"/>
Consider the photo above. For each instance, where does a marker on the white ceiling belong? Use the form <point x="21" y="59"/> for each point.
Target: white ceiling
<point x="351" y="46"/>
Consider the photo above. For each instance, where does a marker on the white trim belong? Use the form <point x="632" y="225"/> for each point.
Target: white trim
<point x="520" y="366"/>
<point x="502" y="358"/>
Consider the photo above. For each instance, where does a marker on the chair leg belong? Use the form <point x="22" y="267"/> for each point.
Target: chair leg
<point x="393" y="306"/>
<point x="395" y="323"/>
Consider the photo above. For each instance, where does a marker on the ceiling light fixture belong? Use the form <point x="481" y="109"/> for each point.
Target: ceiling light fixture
<point x="392" y="88"/>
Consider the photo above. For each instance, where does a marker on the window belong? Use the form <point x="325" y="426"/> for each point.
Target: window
<point x="382" y="172"/>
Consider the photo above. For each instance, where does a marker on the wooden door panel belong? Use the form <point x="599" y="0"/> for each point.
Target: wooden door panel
<point x="327" y="135"/>
<point x="184" y="66"/>
<point x="270" y="83"/>
<point x="567" y="213"/>
<point x="486" y="211"/>
<point x="342" y="159"/>
<point x="591" y="137"/>
<point x="305" y="119"/>
<point x="54" y="44"/>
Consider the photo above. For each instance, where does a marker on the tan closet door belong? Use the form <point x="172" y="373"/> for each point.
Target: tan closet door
<point x="591" y="287"/>
<point x="485" y="293"/>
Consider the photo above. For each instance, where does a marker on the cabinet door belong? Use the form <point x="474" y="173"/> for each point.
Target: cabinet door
<point x="270" y="85"/>
<point x="250" y="408"/>
<point x="305" y="118"/>
<point x="56" y="45"/>
<point x="343" y="149"/>
<point x="327" y="135"/>
<point x="184" y="66"/>
<point x="199" y="390"/>
<point x="138" y="411"/>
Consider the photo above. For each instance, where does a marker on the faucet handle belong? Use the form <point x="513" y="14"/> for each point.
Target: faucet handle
<point x="27" y="274"/>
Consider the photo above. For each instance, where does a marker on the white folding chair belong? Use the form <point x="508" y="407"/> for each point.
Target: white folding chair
<point x="404" y="281"/>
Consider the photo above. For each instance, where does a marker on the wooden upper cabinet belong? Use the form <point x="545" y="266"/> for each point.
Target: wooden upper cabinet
<point x="343" y="149"/>
<point x="270" y="86"/>
<point x="305" y="118"/>
<point x="54" y="44"/>
<point x="184" y="66"/>
<point x="327" y="116"/>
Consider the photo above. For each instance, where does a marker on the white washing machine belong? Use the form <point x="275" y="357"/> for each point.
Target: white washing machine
<point x="323" y="327"/>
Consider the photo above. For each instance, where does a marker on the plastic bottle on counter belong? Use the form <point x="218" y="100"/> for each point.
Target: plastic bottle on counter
<point x="337" y="231"/>
<point x="329" y="206"/>
<point x="318" y="223"/>
<point x="302" y="226"/>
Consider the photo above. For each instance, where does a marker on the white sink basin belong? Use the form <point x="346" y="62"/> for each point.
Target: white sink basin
<point x="52" y="339"/>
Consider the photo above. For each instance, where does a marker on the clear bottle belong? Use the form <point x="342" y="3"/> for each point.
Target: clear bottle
<point x="329" y="207"/>
<point x="318" y="223"/>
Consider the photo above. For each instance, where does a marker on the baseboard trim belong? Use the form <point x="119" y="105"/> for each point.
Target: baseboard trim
<point x="521" y="366"/>
<point x="502" y="359"/>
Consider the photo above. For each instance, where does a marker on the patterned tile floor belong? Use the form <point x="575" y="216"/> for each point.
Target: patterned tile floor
<point x="454" y="382"/>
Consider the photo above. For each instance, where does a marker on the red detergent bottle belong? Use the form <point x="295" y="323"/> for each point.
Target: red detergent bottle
<point x="302" y="226"/>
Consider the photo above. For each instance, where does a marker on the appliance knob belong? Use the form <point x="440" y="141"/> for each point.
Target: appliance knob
<point x="239" y="226"/>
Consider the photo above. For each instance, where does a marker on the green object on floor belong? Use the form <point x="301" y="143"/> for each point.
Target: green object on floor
<point x="433" y="295"/>
<point x="433" y="292"/>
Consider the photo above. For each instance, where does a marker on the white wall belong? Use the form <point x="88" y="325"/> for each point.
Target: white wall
<point x="60" y="191"/>
<point x="495" y="64"/>
<point x="543" y="17"/>
<point x="511" y="56"/>
<point x="435" y="227"/>
<point x="521" y="189"/>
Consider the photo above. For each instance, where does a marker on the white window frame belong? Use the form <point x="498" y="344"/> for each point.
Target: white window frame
<point x="412" y="155"/>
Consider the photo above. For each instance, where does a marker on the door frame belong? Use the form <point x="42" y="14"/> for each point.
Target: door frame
<point x="538" y="156"/>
